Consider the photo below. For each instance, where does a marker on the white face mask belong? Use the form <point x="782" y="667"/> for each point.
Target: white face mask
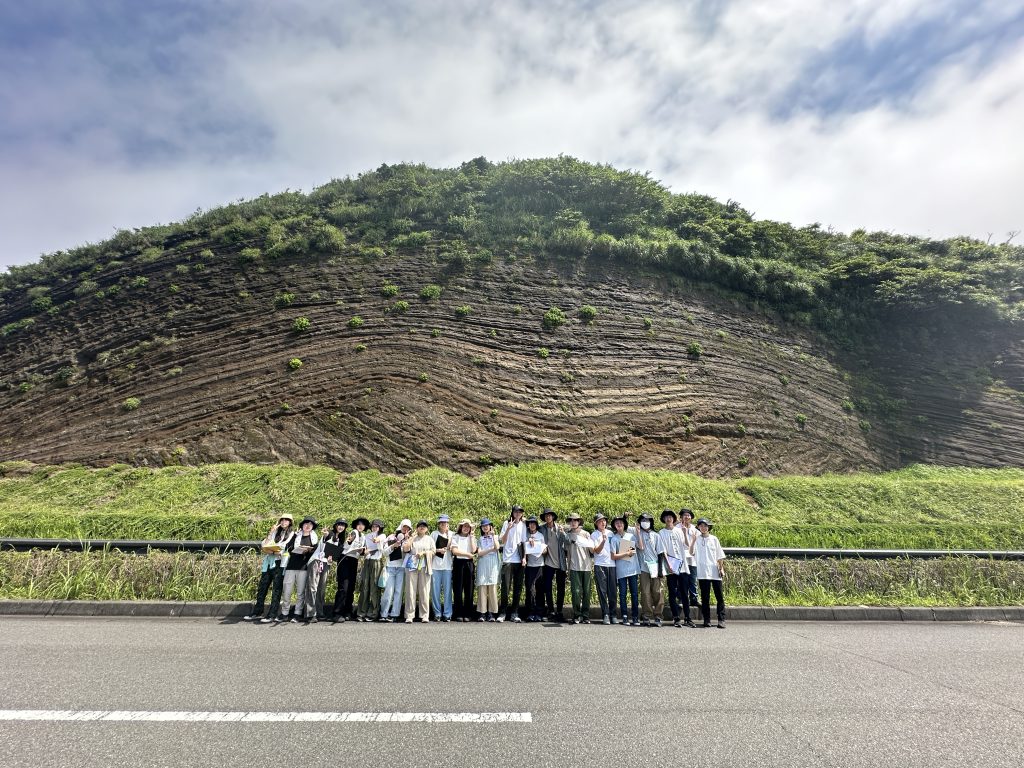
<point x="646" y="525"/>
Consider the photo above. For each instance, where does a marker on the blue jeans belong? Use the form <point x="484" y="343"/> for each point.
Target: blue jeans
<point x="629" y="582"/>
<point x="391" y="602"/>
<point x="441" y="580"/>
<point x="691" y="586"/>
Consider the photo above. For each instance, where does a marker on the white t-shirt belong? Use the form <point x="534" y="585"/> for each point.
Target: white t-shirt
<point x="604" y="557"/>
<point x="672" y="541"/>
<point x="442" y="563"/>
<point x="464" y="544"/>
<point x="689" y="534"/>
<point x="510" y="552"/>
<point x="708" y="552"/>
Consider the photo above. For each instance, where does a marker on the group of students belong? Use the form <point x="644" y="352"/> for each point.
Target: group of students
<point x="433" y="573"/>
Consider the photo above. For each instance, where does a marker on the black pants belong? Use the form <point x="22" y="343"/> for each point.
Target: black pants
<point x="533" y="574"/>
<point x="462" y="588"/>
<point x="676" y="583"/>
<point x="706" y="586"/>
<point x="347" y="570"/>
<point x="272" y="576"/>
<point x="511" y="581"/>
<point x="553" y="577"/>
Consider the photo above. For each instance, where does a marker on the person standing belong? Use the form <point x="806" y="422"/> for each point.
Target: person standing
<point x="581" y="568"/>
<point x="710" y="571"/>
<point x="674" y="546"/>
<point x="488" y="571"/>
<point x="369" y="577"/>
<point x="604" y="569"/>
<point x="419" y="562"/>
<point x="272" y="569"/>
<point x="627" y="567"/>
<point x="463" y="550"/>
<point x="690" y="533"/>
<point x="299" y="551"/>
<point x="441" y="579"/>
<point x="534" y="549"/>
<point x="513" y="534"/>
<point x="555" y="566"/>
<point x="649" y="551"/>
<point x="319" y="569"/>
<point x="348" y="569"/>
<point x="391" y="601"/>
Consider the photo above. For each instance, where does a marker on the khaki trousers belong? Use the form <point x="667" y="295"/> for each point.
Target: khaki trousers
<point x="652" y="601"/>
<point x="417" y="593"/>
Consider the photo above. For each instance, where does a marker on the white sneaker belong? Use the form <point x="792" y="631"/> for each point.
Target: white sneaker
<point x="501" y="617"/>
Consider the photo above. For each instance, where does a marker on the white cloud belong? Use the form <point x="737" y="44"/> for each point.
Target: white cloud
<point x="653" y="85"/>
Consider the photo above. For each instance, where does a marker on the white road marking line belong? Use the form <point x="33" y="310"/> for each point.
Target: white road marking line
<point x="104" y="715"/>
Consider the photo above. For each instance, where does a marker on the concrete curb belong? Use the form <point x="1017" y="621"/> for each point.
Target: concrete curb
<point x="224" y="610"/>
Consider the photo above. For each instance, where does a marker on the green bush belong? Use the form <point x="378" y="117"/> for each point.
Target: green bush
<point x="463" y="311"/>
<point x="388" y="290"/>
<point x="423" y="377"/>
<point x="300" y="324"/>
<point x="284" y="299"/>
<point x="247" y="255"/>
<point x="435" y="332"/>
<point x="360" y="348"/>
<point x="648" y="323"/>
<point x="431" y="292"/>
<point x="131" y="403"/>
<point x="694" y="349"/>
<point x="587" y="313"/>
<point x="400" y="306"/>
<point x="140" y="281"/>
<point x="553" y="318"/>
<point x="294" y="364"/>
<point x="355" y="322"/>
<point x="543" y="353"/>
<point x="42" y="303"/>
<point x="801" y="420"/>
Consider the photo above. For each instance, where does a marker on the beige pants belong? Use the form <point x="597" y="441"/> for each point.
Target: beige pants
<point x="417" y="593"/>
<point x="487" y="598"/>
<point x="652" y="601"/>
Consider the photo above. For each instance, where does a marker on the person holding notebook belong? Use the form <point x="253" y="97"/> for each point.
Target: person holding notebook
<point x="348" y="569"/>
<point x="463" y="550"/>
<point x="555" y="566"/>
<point x="300" y="549"/>
<point x="488" y="571"/>
<point x="513" y="534"/>
<point x="272" y="569"/>
<point x="627" y="567"/>
<point x="441" y="578"/>
<point x="674" y="546"/>
<point x="369" y="576"/>
<point x="394" y="572"/>
<point x="419" y="563"/>
<point x="604" y="569"/>
<point x="710" y="557"/>
<point x="581" y="568"/>
<point x="649" y="553"/>
<point x="534" y="548"/>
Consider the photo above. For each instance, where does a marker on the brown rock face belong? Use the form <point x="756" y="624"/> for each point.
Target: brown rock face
<point x="208" y="361"/>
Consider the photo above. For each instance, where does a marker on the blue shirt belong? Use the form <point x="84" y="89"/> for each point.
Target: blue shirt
<point x="627" y="566"/>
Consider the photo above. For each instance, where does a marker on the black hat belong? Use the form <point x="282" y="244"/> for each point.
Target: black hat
<point x="706" y="522"/>
<point x="646" y="516"/>
<point x="517" y="508"/>
<point x="532" y="519"/>
<point x="598" y="517"/>
<point x="378" y="522"/>
<point x="423" y="523"/>
<point x="548" y="511"/>
<point x="308" y="520"/>
<point x="685" y="511"/>
<point x="623" y="518"/>
<point x="665" y="513"/>
<point x="338" y="522"/>
<point x="363" y="520"/>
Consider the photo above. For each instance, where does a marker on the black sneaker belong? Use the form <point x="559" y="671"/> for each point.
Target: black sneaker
<point x="689" y="624"/>
<point x="677" y="623"/>
<point x="721" y="624"/>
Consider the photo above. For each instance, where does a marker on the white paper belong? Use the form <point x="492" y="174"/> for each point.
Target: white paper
<point x="535" y="547"/>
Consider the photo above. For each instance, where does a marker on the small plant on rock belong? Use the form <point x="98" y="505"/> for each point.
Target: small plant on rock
<point x="131" y="403"/>
<point x="587" y="313"/>
<point x="355" y="322"/>
<point x="431" y="292"/>
<point x="694" y="349"/>
<point x="294" y="364"/>
<point x="463" y="311"/>
<point x="301" y="324"/>
<point x="553" y="318"/>
<point x="388" y="290"/>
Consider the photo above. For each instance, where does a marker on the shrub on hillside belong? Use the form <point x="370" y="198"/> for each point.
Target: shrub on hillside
<point x="131" y="403"/>
<point x="587" y="313"/>
<point x="553" y="318"/>
<point x="301" y="324"/>
<point x="430" y="292"/>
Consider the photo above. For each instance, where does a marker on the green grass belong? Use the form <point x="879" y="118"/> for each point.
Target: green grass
<point x="113" y="575"/>
<point x="919" y="507"/>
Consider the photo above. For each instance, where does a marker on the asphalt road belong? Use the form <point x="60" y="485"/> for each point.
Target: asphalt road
<point x="756" y="694"/>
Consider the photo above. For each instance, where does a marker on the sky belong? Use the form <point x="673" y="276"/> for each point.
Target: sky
<point x="899" y="115"/>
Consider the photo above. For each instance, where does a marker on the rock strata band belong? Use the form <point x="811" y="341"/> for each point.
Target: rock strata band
<point x="512" y="572"/>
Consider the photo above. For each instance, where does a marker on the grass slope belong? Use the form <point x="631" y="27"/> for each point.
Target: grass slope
<point x="918" y="507"/>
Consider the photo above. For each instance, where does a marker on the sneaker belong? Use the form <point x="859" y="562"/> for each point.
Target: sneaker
<point x="313" y="620"/>
<point x="634" y="623"/>
<point x="644" y="623"/>
<point x="408" y="621"/>
<point x="251" y="617"/>
<point x="689" y="624"/>
<point x="576" y="621"/>
<point x="293" y="620"/>
<point x="266" y="620"/>
<point x="585" y="620"/>
<point x="516" y="619"/>
<point x="705" y="626"/>
<point x="611" y="620"/>
<point x="491" y="617"/>
<point x="677" y="624"/>
<point x="501" y="618"/>
<point x="721" y="624"/>
<point x="657" y="623"/>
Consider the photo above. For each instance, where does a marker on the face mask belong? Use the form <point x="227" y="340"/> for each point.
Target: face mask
<point x="645" y="525"/>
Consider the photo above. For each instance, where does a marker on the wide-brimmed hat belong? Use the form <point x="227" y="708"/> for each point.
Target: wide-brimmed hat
<point x="666" y="512"/>
<point x="686" y="511"/>
<point x="623" y="518"/>
<point x="530" y="519"/>
<point x="339" y="521"/>
<point x="406" y="523"/>
<point x="549" y="511"/>
<point x="443" y="519"/>
<point x="573" y="516"/>
<point x="706" y="522"/>
<point x="308" y="520"/>
<point x="645" y="516"/>
<point x="465" y="521"/>
<point x="378" y="522"/>
<point x="486" y="521"/>
<point x="363" y="520"/>
<point x="286" y="516"/>
<point x="599" y="517"/>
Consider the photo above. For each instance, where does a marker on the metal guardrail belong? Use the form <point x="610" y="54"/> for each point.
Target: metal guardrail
<point x="143" y="546"/>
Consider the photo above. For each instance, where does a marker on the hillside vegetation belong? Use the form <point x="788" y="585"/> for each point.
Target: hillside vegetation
<point x="518" y="311"/>
<point x="919" y="507"/>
